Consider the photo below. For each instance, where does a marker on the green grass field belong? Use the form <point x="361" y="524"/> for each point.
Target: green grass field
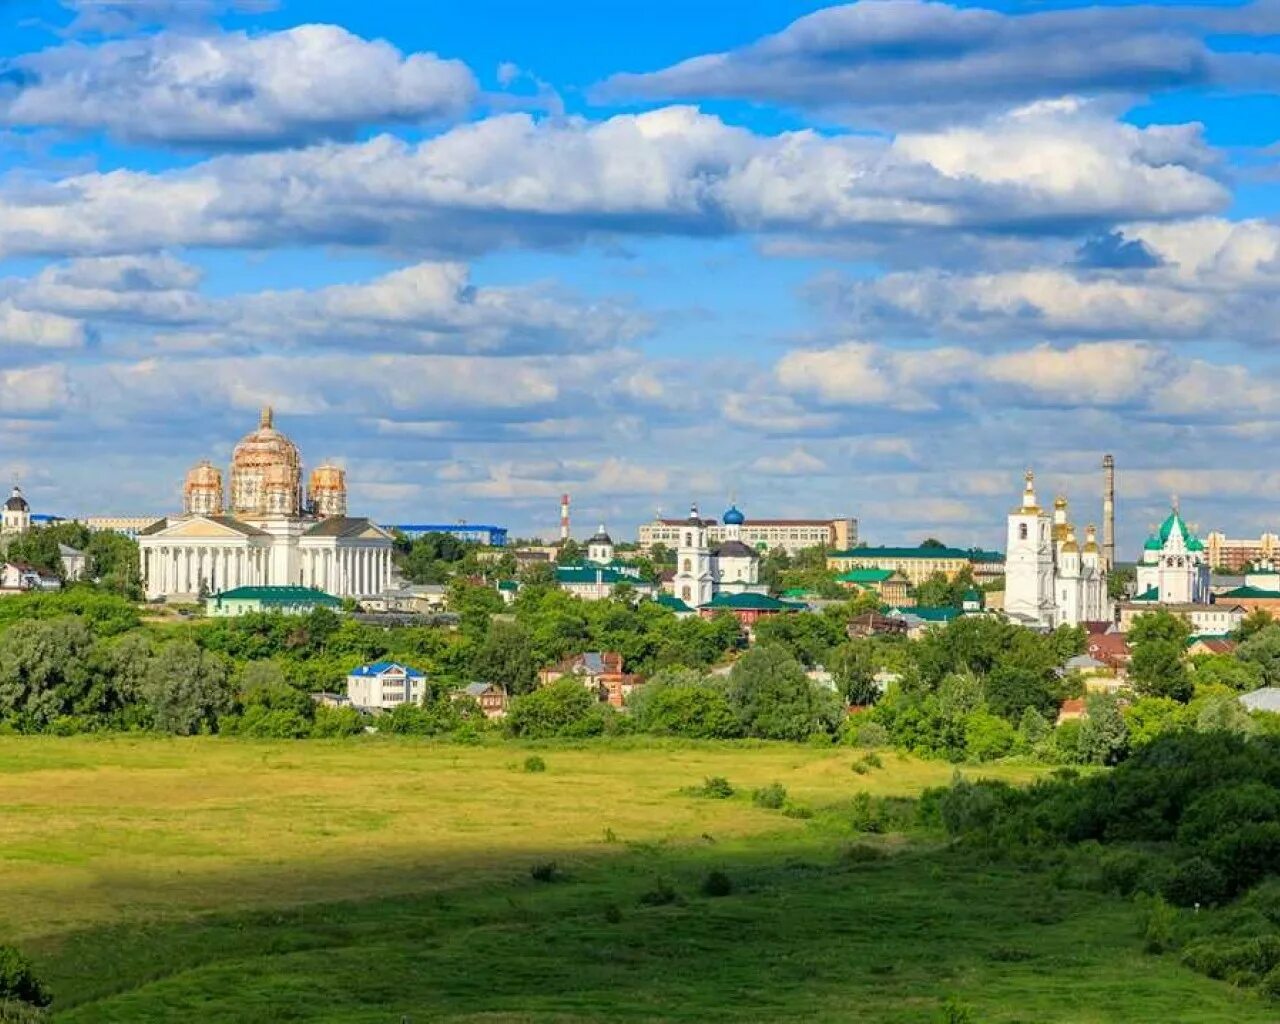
<point x="214" y="880"/>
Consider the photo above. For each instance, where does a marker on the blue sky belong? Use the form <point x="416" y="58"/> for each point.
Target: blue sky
<point x="871" y="259"/>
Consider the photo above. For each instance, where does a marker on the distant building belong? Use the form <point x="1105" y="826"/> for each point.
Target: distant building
<point x="888" y="584"/>
<point x="385" y="685"/>
<point x="412" y="599"/>
<point x="747" y="608"/>
<point x="1051" y="579"/>
<point x="704" y="571"/>
<point x="491" y="697"/>
<point x="1174" y="568"/>
<point x="597" y="576"/>
<point x="74" y="563"/>
<point x="130" y="526"/>
<point x="875" y="624"/>
<point x="21" y="578"/>
<point x="15" y="517"/>
<point x="1224" y="552"/>
<point x="790" y="535"/>
<point x="282" y="600"/>
<point x="472" y="533"/>
<point x="599" y="671"/>
<point x="1211" y="619"/>
<point x="918" y="564"/>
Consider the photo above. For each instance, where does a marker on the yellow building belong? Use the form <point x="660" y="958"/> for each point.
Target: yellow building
<point x="918" y="564"/>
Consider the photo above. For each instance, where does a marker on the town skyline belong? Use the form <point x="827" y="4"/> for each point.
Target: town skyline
<point x="647" y="259"/>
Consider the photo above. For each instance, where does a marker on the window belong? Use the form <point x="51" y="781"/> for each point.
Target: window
<point x="1022" y="531"/>
<point x="688" y="540"/>
<point x="686" y="593"/>
<point x="688" y="565"/>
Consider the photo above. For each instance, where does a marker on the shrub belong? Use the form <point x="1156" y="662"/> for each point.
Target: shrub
<point x="862" y="853"/>
<point x="716" y="787"/>
<point x="1195" y="880"/>
<point x="872" y="760"/>
<point x="660" y="895"/>
<point x="717" y="883"/>
<point x="18" y="981"/>
<point x="954" y="1012"/>
<point x="797" y="811"/>
<point x="1125" y="872"/>
<point x="533" y="763"/>
<point x="544" y="871"/>
<point x="330" y="723"/>
<point x="1271" y="983"/>
<point x="562" y="708"/>
<point x="860" y="767"/>
<point x="866" y="732"/>
<point x="1158" y="924"/>
<point x="772" y="796"/>
<point x="613" y="914"/>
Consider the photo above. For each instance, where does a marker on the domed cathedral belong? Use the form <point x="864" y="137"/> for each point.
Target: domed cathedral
<point x="703" y="571"/>
<point x="267" y="535"/>
<point x="1050" y="578"/>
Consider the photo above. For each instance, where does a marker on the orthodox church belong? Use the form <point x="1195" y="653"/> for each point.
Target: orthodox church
<point x="1174" y="568"/>
<point x="702" y="571"/>
<point x="1051" y="579"/>
<point x="269" y="533"/>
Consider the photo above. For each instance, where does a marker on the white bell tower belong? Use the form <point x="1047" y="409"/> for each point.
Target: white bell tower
<point x="1029" y="561"/>
<point x="693" y="581"/>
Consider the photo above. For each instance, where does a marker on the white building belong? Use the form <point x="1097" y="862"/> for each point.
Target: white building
<point x="703" y="571"/>
<point x="1175" y="566"/>
<point x="74" y="562"/>
<point x="1050" y="579"/>
<point x="599" y="574"/>
<point x="15" y="517"/>
<point x="269" y="536"/>
<point x="792" y="535"/>
<point x="385" y="685"/>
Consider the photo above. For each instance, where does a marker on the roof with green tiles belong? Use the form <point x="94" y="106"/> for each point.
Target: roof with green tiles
<point x="1253" y="592"/>
<point x="584" y="574"/>
<point x="672" y="602"/>
<point x="970" y="554"/>
<point x="1150" y="594"/>
<point x="751" y="602"/>
<point x="279" y="595"/>
<point x="864" y="575"/>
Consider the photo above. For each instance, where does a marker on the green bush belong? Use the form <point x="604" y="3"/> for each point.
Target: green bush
<point x="544" y="871"/>
<point x="660" y="895"/>
<point x="1125" y="872"/>
<point x="330" y="723"/>
<point x="1195" y="880"/>
<point x="716" y="787"/>
<point x="1158" y="925"/>
<point x="717" y="883"/>
<point x="18" y="981"/>
<point x="533" y="764"/>
<point x="772" y="796"/>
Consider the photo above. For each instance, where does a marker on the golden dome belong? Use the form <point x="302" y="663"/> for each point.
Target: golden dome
<point x="202" y="491"/>
<point x="264" y="458"/>
<point x="1091" y="540"/>
<point x="327" y="490"/>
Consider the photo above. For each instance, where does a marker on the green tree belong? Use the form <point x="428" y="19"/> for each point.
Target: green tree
<point x="1262" y="652"/>
<point x="698" y="711"/>
<point x="936" y="592"/>
<point x="1158" y="626"/>
<point x="18" y="980"/>
<point x="506" y="657"/>
<point x="474" y="604"/>
<point x="773" y="699"/>
<point x="1104" y="736"/>
<point x="44" y="671"/>
<point x="1157" y="668"/>
<point x="987" y="736"/>
<point x="854" y="665"/>
<point x="553" y="710"/>
<point x="932" y="542"/>
<point x="188" y="688"/>
<point x="1226" y="670"/>
<point x="570" y="553"/>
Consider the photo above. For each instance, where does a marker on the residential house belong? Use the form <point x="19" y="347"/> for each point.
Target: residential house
<point x="491" y="697"/>
<point x="1265" y="699"/>
<point x="875" y="624"/>
<point x="747" y="608"/>
<point x="600" y="672"/>
<point x="1217" y="618"/>
<point x="888" y="584"/>
<point x="74" y="563"/>
<point x="21" y="577"/>
<point x="1210" y="645"/>
<point x="385" y="685"/>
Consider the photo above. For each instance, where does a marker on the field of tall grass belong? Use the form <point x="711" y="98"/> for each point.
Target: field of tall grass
<point x="216" y="880"/>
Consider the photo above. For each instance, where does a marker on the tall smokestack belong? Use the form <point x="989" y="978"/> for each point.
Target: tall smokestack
<point x="1109" y="511"/>
<point x="564" y="518"/>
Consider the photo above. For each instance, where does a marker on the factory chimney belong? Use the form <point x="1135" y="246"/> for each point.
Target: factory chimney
<point x="564" y="518"/>
<point x="1109" y="511"/>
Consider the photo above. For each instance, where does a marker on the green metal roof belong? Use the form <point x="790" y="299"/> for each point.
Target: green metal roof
<point x="1261" y="592"/>
<point x="864" y="575"/>
<point x="1150" y="594"/>
<point x="751" y="602"/>
<point x="941" y="613"/>
<point x="1175" y="523"/>
<point x="672" y="602"/>
<point x="508" y="585"/>
<point x="593" y="574"/>
<point x="279" y="595"/>
<point x="971" y="554"/>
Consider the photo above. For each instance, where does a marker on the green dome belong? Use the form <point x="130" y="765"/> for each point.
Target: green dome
<point x="1152" y="544"/>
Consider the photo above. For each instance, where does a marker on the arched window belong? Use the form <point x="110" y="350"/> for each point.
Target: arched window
<point x="1022" y="531"/>
<point x="688" y="540"/>
<point x="688" y="565"/>
<point x="687" y="593"/>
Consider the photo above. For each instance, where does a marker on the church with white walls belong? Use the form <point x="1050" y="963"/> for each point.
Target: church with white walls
<point x="1051" y="579"/>
<point x="269" y="533"/>
<point x="1174" y="568"/>
<point x="702" y="571"/>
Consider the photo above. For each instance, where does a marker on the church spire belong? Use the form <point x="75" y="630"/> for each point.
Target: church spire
<point x="265" y="418"/>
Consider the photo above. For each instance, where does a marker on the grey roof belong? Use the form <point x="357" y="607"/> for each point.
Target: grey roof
<point x="1081" y="662"/>
<point x="1266" y="699"/>
<point x="67" y="551"/>
<point x="477" y="689"/>
<point x="339" y="526"/>
<point x="736" y="549"/>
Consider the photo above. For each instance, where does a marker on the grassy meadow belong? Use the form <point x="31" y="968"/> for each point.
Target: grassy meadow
<point x="217" y="880"/>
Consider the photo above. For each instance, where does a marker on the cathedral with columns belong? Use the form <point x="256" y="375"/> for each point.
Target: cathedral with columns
<point x="269" y="533"/>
